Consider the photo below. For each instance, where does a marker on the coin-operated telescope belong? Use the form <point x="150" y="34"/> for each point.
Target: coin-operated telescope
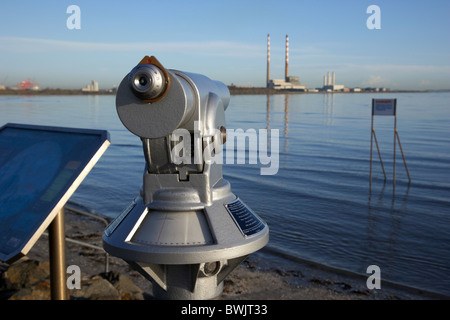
<point x="186" y="231"/>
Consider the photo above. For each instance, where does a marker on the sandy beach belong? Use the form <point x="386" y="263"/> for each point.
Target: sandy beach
<point x="263" y="276"/>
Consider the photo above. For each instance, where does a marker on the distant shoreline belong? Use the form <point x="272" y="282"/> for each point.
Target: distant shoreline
<point x="233" y="91"/>
<point x="256" y="90"/>
<point x="52" y="92"/>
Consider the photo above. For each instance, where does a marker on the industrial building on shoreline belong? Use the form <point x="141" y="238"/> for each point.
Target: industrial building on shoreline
<point x="91" y="87"/>
<point x="329" y="83"/>
<point x="289" y="82"/>
<point x="292" y="83"/>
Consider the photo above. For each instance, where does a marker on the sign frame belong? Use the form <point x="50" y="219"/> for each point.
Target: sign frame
<point x="385" y="107"/>
<point x="61" y="196"/>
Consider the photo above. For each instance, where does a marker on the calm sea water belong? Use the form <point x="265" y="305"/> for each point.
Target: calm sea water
<point x="318" y="205"/>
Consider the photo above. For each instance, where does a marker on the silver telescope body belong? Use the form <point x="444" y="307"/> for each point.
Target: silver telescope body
<point x="152" y="102"/>
<point x="185" y="231"/>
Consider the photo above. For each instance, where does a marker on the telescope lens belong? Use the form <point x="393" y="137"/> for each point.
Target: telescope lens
<point x="143" y="81"/>
<point x="147" y="81"/>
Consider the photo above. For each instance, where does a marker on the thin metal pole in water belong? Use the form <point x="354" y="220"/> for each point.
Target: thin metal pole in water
<point x="403" y="156"/>
<point x="395" y="143"/>
<point x="379" y="155"/>
<point x="57" y="251"/>
<point x="371" y="147"/>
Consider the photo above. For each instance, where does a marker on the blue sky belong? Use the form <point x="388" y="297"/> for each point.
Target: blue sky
<point x="226" y="40"/>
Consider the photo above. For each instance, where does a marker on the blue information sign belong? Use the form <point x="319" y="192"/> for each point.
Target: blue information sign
<point x="40" y="168"/>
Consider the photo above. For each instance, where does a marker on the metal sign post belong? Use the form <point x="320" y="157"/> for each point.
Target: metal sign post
<point x="385" y="107"/>
<point x="57" y="250"/>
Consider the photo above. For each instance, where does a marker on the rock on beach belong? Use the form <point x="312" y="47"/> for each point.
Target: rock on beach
<point x="30" y="280"/>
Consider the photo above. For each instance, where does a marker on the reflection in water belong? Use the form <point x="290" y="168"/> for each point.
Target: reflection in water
<point x="94" y="108"/>
<point x="327" y="113"/>
<point x="286" y="115"/>
<point x="328" y="108"/>
<point x="268" y="112"/>
<point x="27" y="106"/>
<point x="384" y="224"/>
<point x="286" y="122"/>
<point x="286" y="118"/>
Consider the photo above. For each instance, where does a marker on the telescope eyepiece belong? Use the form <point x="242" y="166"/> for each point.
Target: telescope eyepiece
<point x="147" y="81"/>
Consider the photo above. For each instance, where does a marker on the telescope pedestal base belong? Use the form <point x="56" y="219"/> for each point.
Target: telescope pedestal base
<point x="202" y="281"/>
<point x="206" y="289"/>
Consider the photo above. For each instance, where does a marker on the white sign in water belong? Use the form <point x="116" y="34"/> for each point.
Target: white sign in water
<point x="384" y="107"/>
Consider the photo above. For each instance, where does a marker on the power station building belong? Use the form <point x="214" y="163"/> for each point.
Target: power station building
<point x="329" y="83"/>
<point x="293" y="83"/>
<point x="289" y="82"/>
<point x="91" y="87"/>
